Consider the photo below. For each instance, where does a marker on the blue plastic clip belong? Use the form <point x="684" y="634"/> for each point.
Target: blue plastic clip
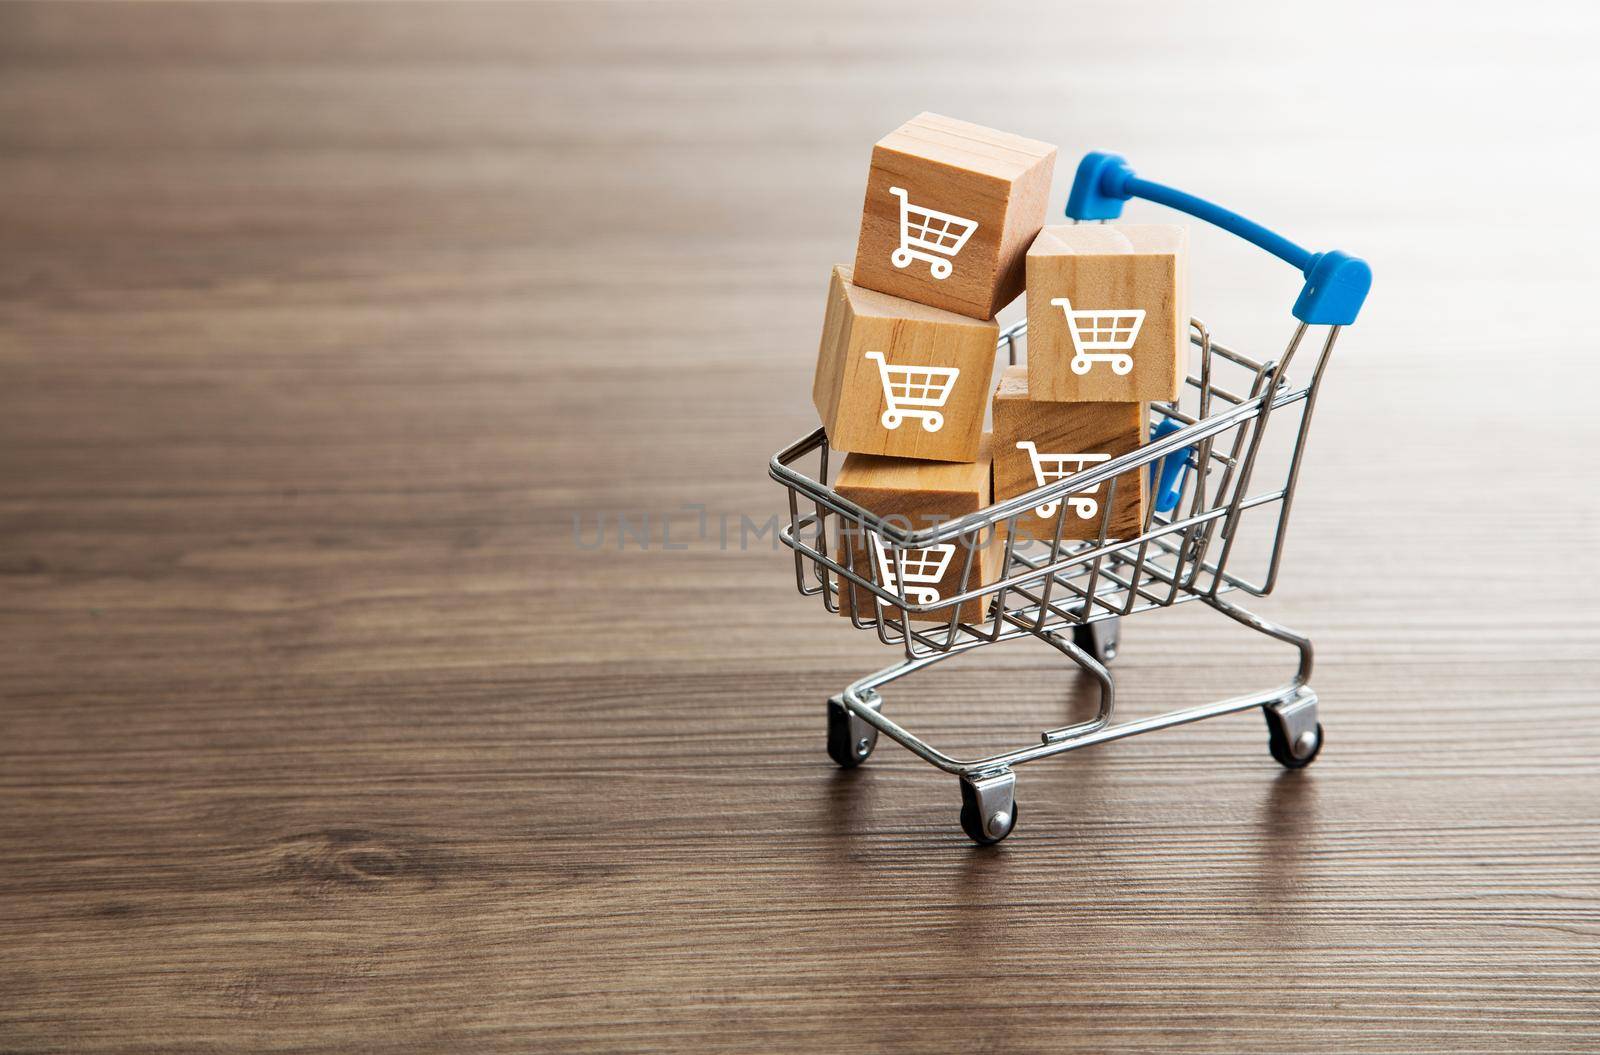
<point x="1167" y="482"/>
<point x="1336" y="283"/>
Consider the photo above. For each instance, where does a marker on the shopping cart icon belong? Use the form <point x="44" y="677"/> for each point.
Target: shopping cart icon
<point x="930" y="235"/>
<point x="922" y="569"/>
<point x="1048" y="468"/>
<point x="915" y="392"/>
<point x="1102" y="336"/>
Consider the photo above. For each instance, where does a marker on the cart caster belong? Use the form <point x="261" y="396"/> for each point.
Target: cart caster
<point x="1099" y="639"/>
<point x="850" y="740"/>
<point x="1294" y="736"/>
<point x="988" y="808"/>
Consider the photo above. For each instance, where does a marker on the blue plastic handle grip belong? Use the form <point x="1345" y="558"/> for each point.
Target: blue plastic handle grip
<point x="1168" y="482"/>
<point x="1336" y="283"/>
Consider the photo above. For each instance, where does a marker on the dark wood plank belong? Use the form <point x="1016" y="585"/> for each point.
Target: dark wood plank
<point x="322" y="326"/>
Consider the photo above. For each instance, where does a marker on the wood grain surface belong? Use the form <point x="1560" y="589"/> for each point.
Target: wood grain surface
<point x="330" y="337"/>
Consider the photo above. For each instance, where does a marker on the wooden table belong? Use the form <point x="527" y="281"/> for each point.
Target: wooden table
<point x="328" y="335"/>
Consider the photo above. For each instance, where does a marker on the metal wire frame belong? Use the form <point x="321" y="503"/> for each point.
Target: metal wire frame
<point x="1074" y="584"/>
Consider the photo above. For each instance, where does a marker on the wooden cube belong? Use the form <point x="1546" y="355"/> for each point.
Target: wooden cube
<point x="918" y="495"/>
<point x="951" y="209"/>
<point x="1108" y="312"/>
<point x="899" y="378"/>
<point x="1038" y="441"/>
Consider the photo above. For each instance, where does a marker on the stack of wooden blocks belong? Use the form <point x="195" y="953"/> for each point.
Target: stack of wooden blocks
<point x="951" y="233"/>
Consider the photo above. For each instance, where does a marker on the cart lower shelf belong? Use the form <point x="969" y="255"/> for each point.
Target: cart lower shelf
<point x="988" y="785"/>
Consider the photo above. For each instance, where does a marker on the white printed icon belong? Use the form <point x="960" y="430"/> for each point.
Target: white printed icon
<point x="922" y="570"/>
<point x="1102" y="336"/>
<point x="1048" y="468"/>
<point x="930" y="235"/>
<point x="915" y="392"/>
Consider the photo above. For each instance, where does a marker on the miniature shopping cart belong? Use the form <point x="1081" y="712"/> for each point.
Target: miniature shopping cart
<point x="1101" y="336"/>
<point x="1048" y="468"/>
<point x="929" y="235"/>
<point x="920" y="570"/>
<point x="1205" y="455"/>
<point x="915" y="391"/>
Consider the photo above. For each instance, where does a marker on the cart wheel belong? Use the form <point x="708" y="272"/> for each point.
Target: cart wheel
<point x="891" y="420"/>
<point x="900" y="258"/>
<point x="1283" y="751"/>
<point x="1121" y="365"/>
<point x="850" y="740"/>
<point x="940" y="268"/>
<point x="972" y="819"/>
<point x="932" y="422"/>
<point x="1100" y="639"/>
<point x="1081" y="364"/>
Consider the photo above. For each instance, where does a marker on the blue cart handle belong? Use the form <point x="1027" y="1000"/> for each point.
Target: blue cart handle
<point x="1336" y="283"/>
<point x="1166" y="482"/>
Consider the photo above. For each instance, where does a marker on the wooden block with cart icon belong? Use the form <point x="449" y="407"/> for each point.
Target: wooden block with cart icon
<point x="899" y="378"/>
<point x="913" y="496"/>
<point x="950" y="211"/>
<point x="1037" y="442"/>
<point x="1108" y="317"/>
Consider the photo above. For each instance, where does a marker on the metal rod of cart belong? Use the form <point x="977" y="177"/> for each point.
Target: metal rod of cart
<point x="1206" y="455"/>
